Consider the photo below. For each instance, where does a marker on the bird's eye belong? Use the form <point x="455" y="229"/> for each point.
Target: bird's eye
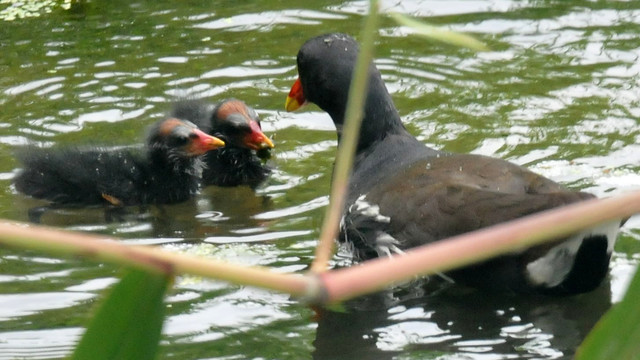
<point x="181" y="140"/>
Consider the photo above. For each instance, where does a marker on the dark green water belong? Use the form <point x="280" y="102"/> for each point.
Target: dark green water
<point x="560" y="93"/>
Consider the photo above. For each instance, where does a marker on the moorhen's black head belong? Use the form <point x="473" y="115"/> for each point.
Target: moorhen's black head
<point x="239" y="125"/>
<point x="325" y="67"/>
<point x="180" y="139"/>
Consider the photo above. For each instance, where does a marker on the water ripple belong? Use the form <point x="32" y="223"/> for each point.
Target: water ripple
<point x="267" y="20"/>
<point x="17" y="305"/>
<point x="38" y="344"/>
<point x="32" y="85"/>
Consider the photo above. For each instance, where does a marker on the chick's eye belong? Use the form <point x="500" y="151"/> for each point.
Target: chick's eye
<point x="181" y="140"/>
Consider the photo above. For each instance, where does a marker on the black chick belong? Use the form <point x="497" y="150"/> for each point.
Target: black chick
<point x="239" y="162"/>
<point x="166" y="170"/>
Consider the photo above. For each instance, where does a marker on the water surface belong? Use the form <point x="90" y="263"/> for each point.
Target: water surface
<point x="559" y="93"/>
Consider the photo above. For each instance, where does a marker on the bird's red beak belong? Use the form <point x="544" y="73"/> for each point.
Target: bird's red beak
<point x="256" y="139"/>
<point x="296" y="98"/>
<point x="202" y="142"/>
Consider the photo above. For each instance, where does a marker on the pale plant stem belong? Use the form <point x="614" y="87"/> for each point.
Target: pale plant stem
<point x="148" y="258"/>
<point x="337" y="285"/>
<point x="348" y="142"/>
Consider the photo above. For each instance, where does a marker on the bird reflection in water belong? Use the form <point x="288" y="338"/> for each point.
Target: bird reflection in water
<point x="438" y="318"/>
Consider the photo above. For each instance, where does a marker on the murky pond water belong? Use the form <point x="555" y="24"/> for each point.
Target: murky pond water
<point x="559" y="93"/>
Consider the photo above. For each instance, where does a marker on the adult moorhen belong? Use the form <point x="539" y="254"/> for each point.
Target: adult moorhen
<point x="167" y="170"/>
<point x="239" y="162"/>
<point x="403" y="194"/>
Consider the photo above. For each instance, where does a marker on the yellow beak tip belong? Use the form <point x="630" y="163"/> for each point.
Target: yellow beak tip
<point x="267" y="144"/>
<point x="218" y="143"/>
<point x="291" y="104"/>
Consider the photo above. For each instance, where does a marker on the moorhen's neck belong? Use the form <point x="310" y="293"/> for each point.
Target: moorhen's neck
<point x="167" y="160"/>
<point x="380" y="117"/>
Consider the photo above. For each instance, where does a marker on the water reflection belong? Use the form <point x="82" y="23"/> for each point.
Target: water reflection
<point x="461" y="321"/>
<point x="38" y="344"/>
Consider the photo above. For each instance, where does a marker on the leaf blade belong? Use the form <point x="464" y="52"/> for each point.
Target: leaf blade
<point x="128" y="323"/>
<point x="438" y="33"/>
<point x="617" y="334"/>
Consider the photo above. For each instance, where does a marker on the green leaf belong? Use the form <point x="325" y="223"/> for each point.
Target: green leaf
<point x="617" y="334"/>
<point x="440" y="34"/>
<point x="129" y="321"/>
